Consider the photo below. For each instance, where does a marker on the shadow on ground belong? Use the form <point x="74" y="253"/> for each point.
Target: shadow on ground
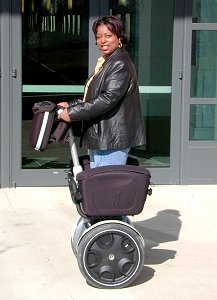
<point x="162" y="228"/>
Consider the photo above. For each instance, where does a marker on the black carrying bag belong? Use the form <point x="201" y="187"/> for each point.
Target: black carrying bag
<point x="113" y="190"/>
<point x="42" y="124"/>
<point x="46" y="128"/>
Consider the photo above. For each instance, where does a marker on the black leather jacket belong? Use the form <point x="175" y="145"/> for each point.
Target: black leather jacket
<point x="112" y="110"/>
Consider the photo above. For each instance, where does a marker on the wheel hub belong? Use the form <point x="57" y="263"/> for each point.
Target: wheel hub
<point x="111" y="257"/>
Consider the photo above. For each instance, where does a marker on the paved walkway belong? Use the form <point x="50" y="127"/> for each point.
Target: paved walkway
<point x="178" y="223"/>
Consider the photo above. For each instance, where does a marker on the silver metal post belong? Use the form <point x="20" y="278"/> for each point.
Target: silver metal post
<point x="76" y="164"/>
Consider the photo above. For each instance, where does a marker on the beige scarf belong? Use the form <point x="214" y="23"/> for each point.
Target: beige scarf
<point x="98" y="68"/>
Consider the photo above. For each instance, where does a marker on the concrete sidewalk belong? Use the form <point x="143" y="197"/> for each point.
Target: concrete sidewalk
<point x="178" y="223"/>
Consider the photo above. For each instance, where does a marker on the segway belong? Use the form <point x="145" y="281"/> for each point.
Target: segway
<point x="110" y="252"/>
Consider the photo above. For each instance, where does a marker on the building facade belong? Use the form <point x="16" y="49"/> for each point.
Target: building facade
<point x="47" y="51"/>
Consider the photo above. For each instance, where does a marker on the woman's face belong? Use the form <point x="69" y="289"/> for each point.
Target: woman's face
<point x="107" y="41"/>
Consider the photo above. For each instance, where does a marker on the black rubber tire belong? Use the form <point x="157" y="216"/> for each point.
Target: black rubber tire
<point x="111" y="256"/>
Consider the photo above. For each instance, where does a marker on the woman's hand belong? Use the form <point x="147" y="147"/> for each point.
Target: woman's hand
<point x="63" y="104"/>
<point x="64" y="116"/>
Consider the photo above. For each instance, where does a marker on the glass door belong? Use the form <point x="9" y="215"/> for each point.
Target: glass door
<point x="154" y="29"/>
<point x="54" y="59"/>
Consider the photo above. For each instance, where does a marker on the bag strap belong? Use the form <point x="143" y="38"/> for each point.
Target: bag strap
<point x="60" y="133"/>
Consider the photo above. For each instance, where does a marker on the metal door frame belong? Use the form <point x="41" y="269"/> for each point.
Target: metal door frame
<point x="5" y="95"/>
<point x="188" y="146"/>
<point x="12" y="174"/>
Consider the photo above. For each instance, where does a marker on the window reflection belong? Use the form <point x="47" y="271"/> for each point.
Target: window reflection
<point x="204" y="11"/>
<point x="204" y="64"/>
<point x="203" y="122"/>
<point x="55" y="41"/>
<point x="54" y="52"/>
<point x="150" y="47"/>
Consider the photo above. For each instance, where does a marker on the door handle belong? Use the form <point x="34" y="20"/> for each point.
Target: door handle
<point x="14" y="73"/>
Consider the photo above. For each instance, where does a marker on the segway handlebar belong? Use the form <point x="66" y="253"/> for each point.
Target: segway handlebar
<point x="74" y="154"/>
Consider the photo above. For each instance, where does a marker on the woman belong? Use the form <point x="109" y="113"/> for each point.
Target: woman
<point x="110" y="109"/>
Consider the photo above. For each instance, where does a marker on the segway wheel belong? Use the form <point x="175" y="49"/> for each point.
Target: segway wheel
<point x="111" y="255"/>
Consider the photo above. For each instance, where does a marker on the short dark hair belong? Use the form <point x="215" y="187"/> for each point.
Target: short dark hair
<point x="114" y="24"/>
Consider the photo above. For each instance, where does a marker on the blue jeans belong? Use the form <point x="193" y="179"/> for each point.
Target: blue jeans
<point x="99" y="158"/>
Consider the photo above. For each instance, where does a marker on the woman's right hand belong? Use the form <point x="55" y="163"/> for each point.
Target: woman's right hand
<point x="63" y="114"/>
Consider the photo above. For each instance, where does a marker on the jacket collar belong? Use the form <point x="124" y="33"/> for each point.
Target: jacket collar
<point x="118" y="50"/>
